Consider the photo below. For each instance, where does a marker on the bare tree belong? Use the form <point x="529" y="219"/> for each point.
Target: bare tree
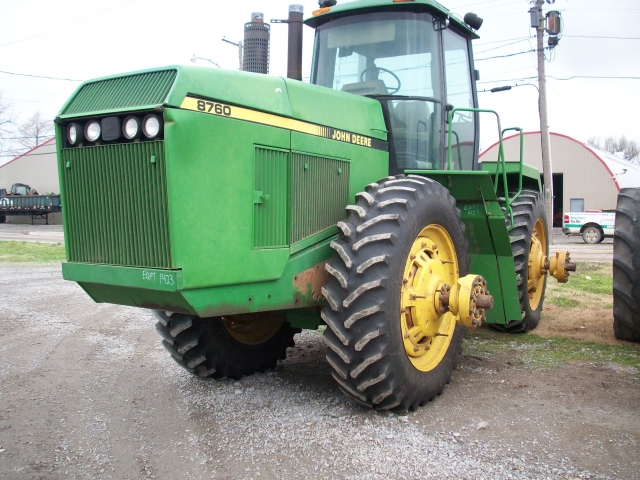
<point x="629" y="148"/>
<point x="35" y="131"/>
<point x="594" y="142"/>
<point x="610" y="145"/>
<point x="632" y="152"/>
<point x="7" y="124"/>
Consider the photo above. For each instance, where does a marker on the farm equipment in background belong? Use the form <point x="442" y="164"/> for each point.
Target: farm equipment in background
<point x="356" y="201"/>
<point x="24" y="200"/>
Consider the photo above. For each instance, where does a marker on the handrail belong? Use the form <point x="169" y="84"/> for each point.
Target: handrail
<point x="500" y="167"/>
<point x="509" y="200"/>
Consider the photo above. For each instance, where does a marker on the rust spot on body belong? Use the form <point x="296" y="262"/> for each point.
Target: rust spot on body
<point x="308" y="284"/>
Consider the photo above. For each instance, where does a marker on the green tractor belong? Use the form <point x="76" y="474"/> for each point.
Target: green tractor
<point x="355" y="201"/>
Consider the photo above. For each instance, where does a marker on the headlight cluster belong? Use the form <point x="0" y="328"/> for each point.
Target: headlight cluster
<point x="113" y="128"/>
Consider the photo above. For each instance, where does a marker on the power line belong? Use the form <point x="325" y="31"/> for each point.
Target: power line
<point x="594" y="76"/>
<point x="32" y="136"/>
<point x="507" y="80"/>
<point x="501" y="46"/>
<point x="41" y="76"/>
<point x="29" y="154"/>
<point x="597" y="36"/>
<point x="500" y="41"/>
<point x="504" y="56"/>
<point x="66" y="26"/>
<point x="606" y="77"/>
<point x="485" y="2"/>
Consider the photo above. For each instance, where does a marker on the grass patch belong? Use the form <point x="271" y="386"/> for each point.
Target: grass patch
<point x="565" y="302"/>
<point x="31" y="252"/>
<point x="590" y="278"/>
<point x="551" y="352"/>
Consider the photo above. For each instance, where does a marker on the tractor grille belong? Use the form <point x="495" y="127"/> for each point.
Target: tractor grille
<point x="270" y="216"/>
<point x="116" y="204"/>
<point x="319" y="193"/>
<point x="145" y="89"/>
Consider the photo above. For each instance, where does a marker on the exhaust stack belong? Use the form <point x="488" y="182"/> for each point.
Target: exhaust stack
<point x="294" y="48"/>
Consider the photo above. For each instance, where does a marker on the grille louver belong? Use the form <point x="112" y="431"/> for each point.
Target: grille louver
<point x="145" y="89"/>
<point x="116" y="204"/>
<point x="319" y="193"/>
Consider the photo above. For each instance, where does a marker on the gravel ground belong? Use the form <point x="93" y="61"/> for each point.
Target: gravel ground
<point x="87" y="391"/>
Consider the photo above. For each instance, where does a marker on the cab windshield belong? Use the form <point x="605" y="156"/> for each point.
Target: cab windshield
<point x="395" y="58"/>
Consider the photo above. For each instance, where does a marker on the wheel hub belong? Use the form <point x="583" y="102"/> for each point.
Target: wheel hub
<point x="253" y="328"/>
<point x="434" y="298"/>
<point x="558" y="266"/>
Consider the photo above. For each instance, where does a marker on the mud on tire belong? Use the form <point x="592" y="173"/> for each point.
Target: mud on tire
<point x="364" y="335"/>
<point x="205" y="346"/>
<point x="626" y="266"/>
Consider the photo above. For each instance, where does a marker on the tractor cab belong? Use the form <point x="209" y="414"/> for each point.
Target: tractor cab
<point x="415" y="60"/>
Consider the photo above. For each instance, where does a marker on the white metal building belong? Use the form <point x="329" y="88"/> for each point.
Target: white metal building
<point x="584" y="178"/>
<point x="39" y="169"/>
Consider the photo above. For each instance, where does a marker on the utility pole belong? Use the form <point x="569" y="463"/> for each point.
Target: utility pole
<point x="239" y="45"/>
<point x="544" y="124"/>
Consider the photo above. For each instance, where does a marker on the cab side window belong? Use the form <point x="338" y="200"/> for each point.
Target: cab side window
<point x="460" y="95"/>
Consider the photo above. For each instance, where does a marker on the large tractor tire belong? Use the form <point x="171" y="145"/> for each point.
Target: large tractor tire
<point x="529" y="240"/>
<point x="626" y="266"/>
<point x="226" y="347"/>
<point x="400" y="234"/>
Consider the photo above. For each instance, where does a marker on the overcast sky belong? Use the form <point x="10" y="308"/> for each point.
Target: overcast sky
<point x="84" y="39"/>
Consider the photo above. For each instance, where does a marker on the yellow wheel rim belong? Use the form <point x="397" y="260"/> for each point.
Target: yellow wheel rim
<point x="253" y="328"/>
<point x="432" y="263"/>
<point x="537" y="259"/>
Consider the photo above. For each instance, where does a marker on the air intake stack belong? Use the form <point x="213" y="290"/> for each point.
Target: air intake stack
<point x="256" y="45"/>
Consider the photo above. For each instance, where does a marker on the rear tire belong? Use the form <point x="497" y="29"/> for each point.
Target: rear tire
<point x="592" y="235"/>
<point x="626" y="266"/>
<point x="3" y="219"/>
<point x="367" y="349"/>
<point x="529" y="220"/>
<point x="213" y="347"/>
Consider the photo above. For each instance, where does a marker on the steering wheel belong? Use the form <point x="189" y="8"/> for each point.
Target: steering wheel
<point x="380" y="69"/>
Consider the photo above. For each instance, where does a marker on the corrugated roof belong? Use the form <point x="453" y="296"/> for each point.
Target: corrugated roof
<point x="623" y="173"/>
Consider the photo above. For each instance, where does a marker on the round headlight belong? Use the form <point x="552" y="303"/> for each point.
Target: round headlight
<point x="151" y="126"/>
<point x="92" y="131"/>
<point x="131" y="128"/>
<point x="74" y="133"/>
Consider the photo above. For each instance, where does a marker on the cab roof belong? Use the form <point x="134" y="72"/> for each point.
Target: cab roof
<point x="362" y="6"/>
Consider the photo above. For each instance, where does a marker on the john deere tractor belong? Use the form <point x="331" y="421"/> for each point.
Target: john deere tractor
<point x="243" y="207"/>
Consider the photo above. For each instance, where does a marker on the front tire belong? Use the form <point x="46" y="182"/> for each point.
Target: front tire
<point x="397" y="227"/>
<point x="626" y="266"/>
<point x="528" y="241"/>
<point x="226" y="347"/>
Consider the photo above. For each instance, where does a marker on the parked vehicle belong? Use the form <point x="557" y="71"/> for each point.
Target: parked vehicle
<point x="594" y="226"/>
<point x="24" y="200"/>
<point x="356" y="201"/>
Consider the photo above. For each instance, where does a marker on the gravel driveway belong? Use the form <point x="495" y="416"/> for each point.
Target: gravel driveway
<point x="87" y="391"/>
